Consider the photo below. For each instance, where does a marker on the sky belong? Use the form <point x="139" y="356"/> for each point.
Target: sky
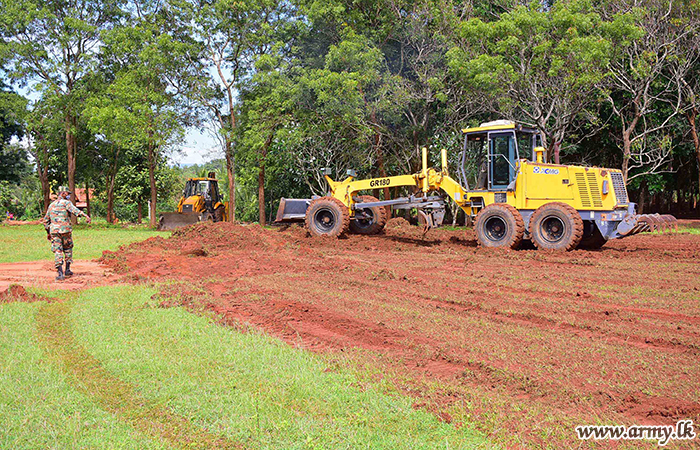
<point x="198" y="148"/>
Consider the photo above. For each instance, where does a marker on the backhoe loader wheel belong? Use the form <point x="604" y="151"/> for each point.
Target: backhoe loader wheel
<point x="556" y="226"/>
<point x="219" y="214"/>
<point x="327" y="216"/>
<point x="499" y="225"/>
<point x="368" y="221"/>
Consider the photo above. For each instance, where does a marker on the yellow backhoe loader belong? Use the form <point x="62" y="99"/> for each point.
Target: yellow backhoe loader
<point x="201" y="201"/>
<point x="517" y="196"/>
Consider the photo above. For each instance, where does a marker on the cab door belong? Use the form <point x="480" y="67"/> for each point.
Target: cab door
<point x="503" y="153"/>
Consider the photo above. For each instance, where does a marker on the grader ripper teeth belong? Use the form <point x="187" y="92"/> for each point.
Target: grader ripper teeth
<point x="518" y="197"/>
<point x="654" y="222"/>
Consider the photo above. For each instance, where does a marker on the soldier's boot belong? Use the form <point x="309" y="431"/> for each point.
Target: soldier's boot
<point x="60" y="276"/>
<point x="68" y="271"/>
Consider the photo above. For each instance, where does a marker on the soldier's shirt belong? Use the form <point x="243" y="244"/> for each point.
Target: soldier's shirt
<point x="56" y="219"/>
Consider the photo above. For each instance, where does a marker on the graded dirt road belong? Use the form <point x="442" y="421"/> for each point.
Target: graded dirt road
<point x="524" y="344"/>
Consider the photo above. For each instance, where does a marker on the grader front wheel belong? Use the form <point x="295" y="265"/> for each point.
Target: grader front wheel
<point x="499" y="225"/>
<point x="327" y="216"/>
<point x="368" y="220"/>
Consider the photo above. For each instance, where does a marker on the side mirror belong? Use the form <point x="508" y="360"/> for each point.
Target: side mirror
<point x="326" y="171"/>
<point x="351" y="173"/>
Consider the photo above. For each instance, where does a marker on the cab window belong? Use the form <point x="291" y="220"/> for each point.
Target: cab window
<point x="502" y="154"/>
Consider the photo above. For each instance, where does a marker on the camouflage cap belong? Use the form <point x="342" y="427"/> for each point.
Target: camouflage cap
<point x="63" y="189"/>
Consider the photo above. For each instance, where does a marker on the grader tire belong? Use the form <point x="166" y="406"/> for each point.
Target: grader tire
<point x="327" y="216"/>
<point x="499" y="226"/>
<point x="556" y="226"/>
<point x="373" y="225"/>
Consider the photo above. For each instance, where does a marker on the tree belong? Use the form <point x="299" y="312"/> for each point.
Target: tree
<point x="643" y="93"/>
<point x="53" y="46"/>
<point x="538" y="65"/>
<point x="144" y="106"/>
<point x="232" y="34"/>
<point x="13" y="159"/>
<point x="45" y="138"/>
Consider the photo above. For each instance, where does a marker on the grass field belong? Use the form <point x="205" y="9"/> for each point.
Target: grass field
<point x="108" y="368"/>
<point x="28" y="242"/>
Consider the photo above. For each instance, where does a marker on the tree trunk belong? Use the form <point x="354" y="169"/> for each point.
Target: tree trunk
<point x="43" y="172"/>
<point x="626" y="155"/>
<point x="71" y="147"/>
<point x="87" y="195"/>
<point x="691" y="115"/>
<point x="261" y="193"/>
<point x="643" y="190"/>
<point x="152" y="179"/>
<point x="110" y="198"/>
<point x="261" y="179"/>
<point x="231" y="172"/>
<point x="139" y="208"/>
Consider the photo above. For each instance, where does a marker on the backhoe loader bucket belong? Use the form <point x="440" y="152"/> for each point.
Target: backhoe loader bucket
<point x="174" y="220"/>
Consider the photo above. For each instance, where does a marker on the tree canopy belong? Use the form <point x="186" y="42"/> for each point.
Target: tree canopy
<point x="290" y="87"/>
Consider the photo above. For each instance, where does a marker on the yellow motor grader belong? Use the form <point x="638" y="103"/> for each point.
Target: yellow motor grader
<point x="518" y="196"/>
<point x="201" y="200"/>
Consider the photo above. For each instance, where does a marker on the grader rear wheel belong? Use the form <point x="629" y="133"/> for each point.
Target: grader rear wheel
<point x="556" y="226"/>
<point x="372" y="220"/>
<point x="499" y="225"/>
<point x="327" y="216"/>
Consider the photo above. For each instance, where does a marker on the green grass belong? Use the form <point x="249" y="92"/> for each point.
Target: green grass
<point x="107" y="368"/>
<point x="38" y="406"/>
<point x="28" y="242"/>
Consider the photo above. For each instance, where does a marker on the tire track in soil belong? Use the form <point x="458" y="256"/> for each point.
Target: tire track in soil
<point x="636" y="316"/>
<point x="320" y="328"/>
<point x="326" y="328"/>
<point x="113" y="394"/>
<point x="549" y="324"/>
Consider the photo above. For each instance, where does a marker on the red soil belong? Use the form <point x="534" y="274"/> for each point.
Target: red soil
<point x="527" y="344"/>
<point x="43" y="274"/>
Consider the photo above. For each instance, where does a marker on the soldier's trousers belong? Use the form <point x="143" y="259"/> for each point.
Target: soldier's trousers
<point x="62" y="245"/>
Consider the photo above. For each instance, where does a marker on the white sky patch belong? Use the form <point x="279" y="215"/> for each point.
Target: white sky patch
<point x="198" y="148"/>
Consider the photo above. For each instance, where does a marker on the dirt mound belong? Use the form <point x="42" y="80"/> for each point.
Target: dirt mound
<point x="398" y="223"/>
<point x="17" y="293"/>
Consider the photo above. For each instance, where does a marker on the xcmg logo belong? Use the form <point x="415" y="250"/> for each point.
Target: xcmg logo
<point x="545" y="170"/>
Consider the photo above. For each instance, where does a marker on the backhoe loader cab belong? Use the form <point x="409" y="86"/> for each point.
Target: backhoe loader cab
<point x="206" y="189"/>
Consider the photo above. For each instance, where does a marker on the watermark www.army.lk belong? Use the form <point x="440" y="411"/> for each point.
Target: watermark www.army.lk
<point x="683" y="430"/>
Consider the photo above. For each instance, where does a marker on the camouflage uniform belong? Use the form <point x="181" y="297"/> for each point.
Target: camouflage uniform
<point x="57" y="223"/>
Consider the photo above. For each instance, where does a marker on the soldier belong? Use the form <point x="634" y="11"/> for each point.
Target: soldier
<point x="58" y="230"/>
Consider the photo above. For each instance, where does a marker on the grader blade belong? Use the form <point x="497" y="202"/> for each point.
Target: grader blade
<point x="292" y="209"/>
<point x="175" y="220"/>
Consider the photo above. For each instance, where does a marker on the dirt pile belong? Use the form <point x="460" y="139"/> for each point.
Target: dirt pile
<point x="17" y="293"/>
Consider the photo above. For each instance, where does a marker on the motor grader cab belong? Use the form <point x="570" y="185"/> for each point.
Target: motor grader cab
<point x="515" y="195"/>
<point x="201" y="200"/>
